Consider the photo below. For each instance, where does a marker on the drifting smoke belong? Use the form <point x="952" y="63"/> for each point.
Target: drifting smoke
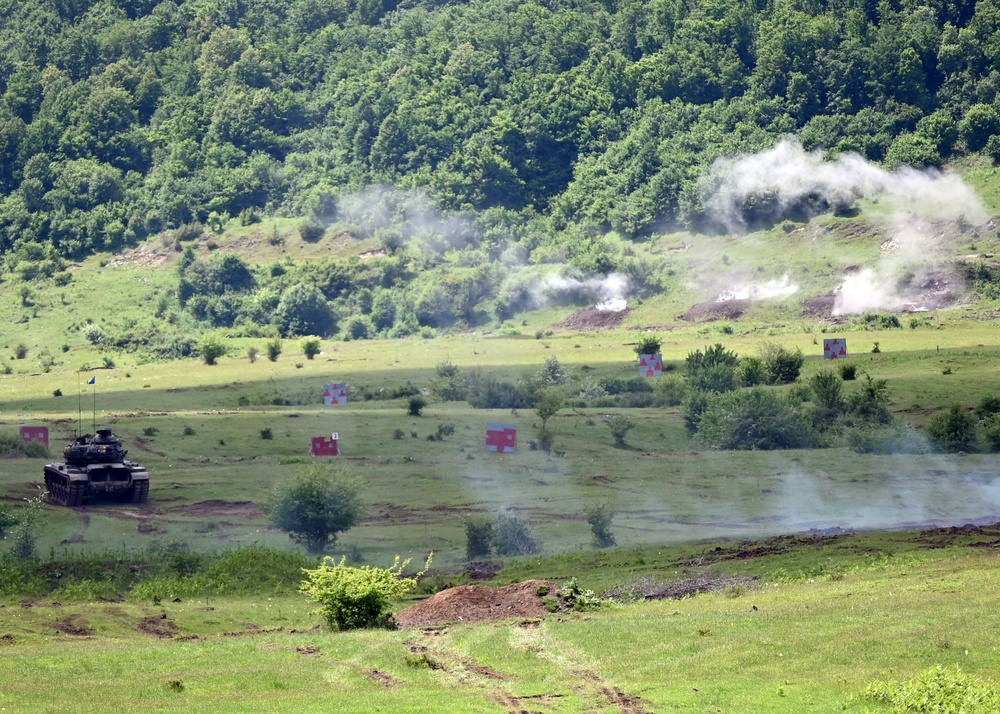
<point x="779" y="288"/>
<point x="609" y="293"/>
<point x="411" y="215"/>
<point x="786" y="179"/>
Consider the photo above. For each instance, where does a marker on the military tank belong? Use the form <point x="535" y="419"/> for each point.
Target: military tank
<point x="96" y="468"/>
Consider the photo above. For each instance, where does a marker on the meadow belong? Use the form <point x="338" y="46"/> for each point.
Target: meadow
<point x="878" y="588"/>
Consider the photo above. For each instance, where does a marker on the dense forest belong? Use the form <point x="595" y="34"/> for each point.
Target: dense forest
<point x="560" y="118"/>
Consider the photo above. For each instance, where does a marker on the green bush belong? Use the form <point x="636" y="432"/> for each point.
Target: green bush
<point x="599" y="517"/>
<point x="938" y="690"/>
<point x="415" y="405"/>
<point x="620" y="425"/>
<point x="783" y="365"/>
<point x="712" y="370"/>
<point x="953" y="431"/>
<point x="273" y="349"/>
<point x="352" y="597"/>
<point x="887" y="439"/>
<point x="211" y="348"/>
<point x="511" y="536"/>
<point x="752" y="372"/>
<point x="478" y="537"/>
<point x="315" y="507"/>
<point x="755" y="419"/>
<point x="648" y="345"/>
<point x="669" y="391"/>
<point x="310" y="346"/>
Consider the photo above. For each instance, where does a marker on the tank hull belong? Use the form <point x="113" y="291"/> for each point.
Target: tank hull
<point x="73" y="484"/>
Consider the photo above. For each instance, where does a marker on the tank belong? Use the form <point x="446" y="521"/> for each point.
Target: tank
<point x="96" y="468"/>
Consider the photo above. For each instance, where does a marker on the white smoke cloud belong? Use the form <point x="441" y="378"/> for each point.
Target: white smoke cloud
<point x="607" y="293"/>
<point x="772" y="289"/>
<point x="915" y="206"/>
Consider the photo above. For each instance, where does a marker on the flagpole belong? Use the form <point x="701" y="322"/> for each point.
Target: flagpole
<point x="94" y="382"/>
<point x="79" y="405"/>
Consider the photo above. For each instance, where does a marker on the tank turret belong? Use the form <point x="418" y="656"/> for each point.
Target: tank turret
<point x="96" y="467"/>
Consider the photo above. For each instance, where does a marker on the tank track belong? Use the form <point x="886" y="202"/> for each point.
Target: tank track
<point x="139" y="491"/>
<point x="65" y="492"/>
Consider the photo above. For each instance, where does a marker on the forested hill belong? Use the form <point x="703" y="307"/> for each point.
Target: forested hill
<point x="121" y="119"/>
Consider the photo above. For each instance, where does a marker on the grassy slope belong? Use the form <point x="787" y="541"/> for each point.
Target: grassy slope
<point x="808" y="646"/>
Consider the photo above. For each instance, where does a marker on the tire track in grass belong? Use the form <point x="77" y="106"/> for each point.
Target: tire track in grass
<point x="435" y="649"/>
<point x="591" y="687"/>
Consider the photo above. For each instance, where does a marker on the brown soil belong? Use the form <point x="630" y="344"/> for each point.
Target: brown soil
<point x="717" y="310"/>
<point x="648" y="588"/>
<point x="217" y="509"/>
<point x="475" y="604"/>
<point x="594" y="319"/>
<point x="158" y="626"/>
<point x="382" y="678"/>
<point x="73" y="625"/>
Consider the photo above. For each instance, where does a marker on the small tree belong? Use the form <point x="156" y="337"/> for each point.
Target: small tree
<point x="953" y="430"/>
<point x="315" y="507"/>
<point x="478" y="537"/>
<point x="648" y="345"/>
<point x="548" y="404"/>
<point x="273" y="349"/>
<point x="351" y="597"/>
<point x="310" y="346"/>
<point x="620" y="426"/>
<point x="415" y="405"/>
<point x="511" y="536"/>
<point x="211" y="348"/>
<point x="252" y="353"/>
<point x="783" y="365"/>
<point x="599" y="516"/>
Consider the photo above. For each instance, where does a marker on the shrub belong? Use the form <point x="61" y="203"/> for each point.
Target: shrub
<point x="713" y="369"/>
<point x="648" y="345"/>
<point x="478" y="537"/>
<point x="783" y="365"/>
<point x="311" y="231"/>
<point x="211" y="348"/>
<point x="449" y="385"/>
<point x="752" y="371"/>
<point x="599" y="518"/>
<point x="620" y="426"/>
<point x="887" y="439"/>
<point x="991" y="432"/>
<point x="315" y="507"/>
<point x="266" y="433"/>
<point x="669" y="391"/>
<point x="352" y="597"/>
<point x="310" y="346"/>
<point x="92" y="333"/>
<point x="273" y="349"/>
<point x="848" y="372"/>
<point x="937" y="690"/>
<point x="511" y="536"/>
<point x="7" y="519"/>
<point x="253" y="353"/>
<point x="953" y="430"/>
<point x="415" y="405"/>
<point x="871" y="404"/>
<point x="756" y="419"/>
<point x="988" y="406"/>
<point x="20" y="350"/>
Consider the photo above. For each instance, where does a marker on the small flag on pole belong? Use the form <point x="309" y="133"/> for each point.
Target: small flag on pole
<point x="835" y="349"/>
<point x="650" y="365"/>
<point x="93" y="380"/>
<point x="501" y="437"/>
<point x="335" y="393"/>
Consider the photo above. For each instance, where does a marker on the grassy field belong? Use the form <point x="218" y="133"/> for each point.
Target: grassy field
<point x="832" y="613"/>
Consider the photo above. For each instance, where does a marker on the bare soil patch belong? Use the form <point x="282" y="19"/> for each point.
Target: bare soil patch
<point x="594" y="319"/>
<point x="649" y="588"/>
<point x="717" y="310"/>
<point x="382" y="678"/>
<point x="158" y="626"/>
<point x="220" y="509"/>
<point x="476" y="604"/>
<point x="73" y="625"/>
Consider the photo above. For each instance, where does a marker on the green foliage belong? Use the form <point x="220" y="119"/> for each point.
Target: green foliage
<point x="848" y="371"/>
<point x="712" y="369"/>
<point x="7" y="519"/>
<point x="303" y="310"/>
<point x="752" y="371"/>
<point x="754" y="419"/>
<point x="871" y="403"/>
<point x="311" y="231"/>
<point x="511" y="536"/>
<point x="315" y="507"/>
<point x="891" y="438"/>
<point x="783" y="365"/>
<point x="478" y="537"/>
<point x="620" y="425"/>
<point x="415" y="405"/>
<point x="669" y="390"/>
<point x="211" y="348"/>
<point x="310" y="346"/>
<point x="272" y="348"/>
<point x="938" y="689"/>
<point x="953" y="431"/>
<point x="449" y="384"/>
<point x="549" y="403"/>
<point x="599" y="517"/>
<point x="24" y="535"/>
<point x="354" y="597"/>
<point x="648" y="345"/>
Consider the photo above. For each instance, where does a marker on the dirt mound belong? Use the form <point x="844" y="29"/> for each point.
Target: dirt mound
<point x="594" y="319"/>
<point x="717" y="310"/>
<point x="473" y="603"/>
